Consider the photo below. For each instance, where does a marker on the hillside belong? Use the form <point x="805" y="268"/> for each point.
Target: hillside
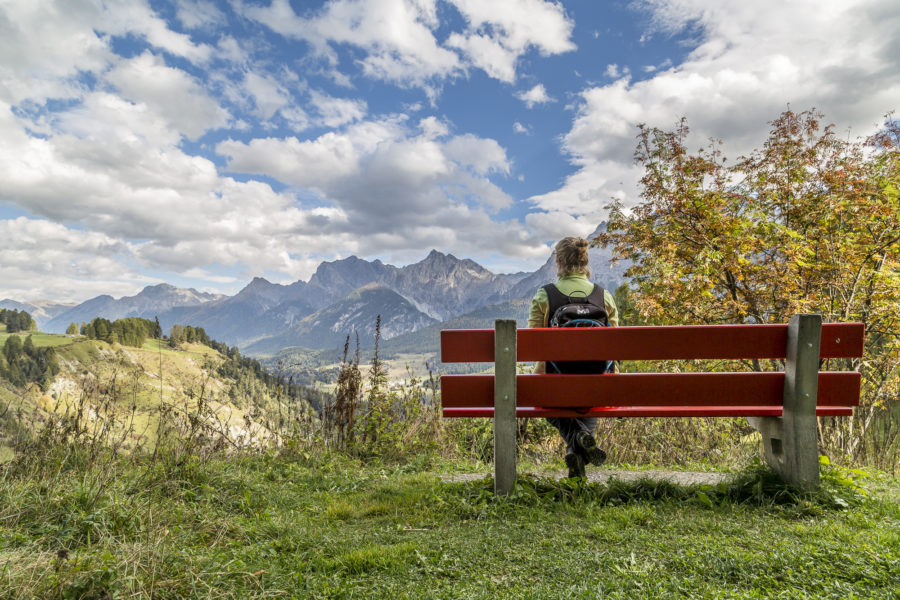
<point x="129" y="388"/>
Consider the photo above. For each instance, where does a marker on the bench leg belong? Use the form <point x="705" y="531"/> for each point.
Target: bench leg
<point x="789" y="441"/>
<point x="504" y="406"/>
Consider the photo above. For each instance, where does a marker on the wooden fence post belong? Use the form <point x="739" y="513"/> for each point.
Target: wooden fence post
<point x="504" y="406"/>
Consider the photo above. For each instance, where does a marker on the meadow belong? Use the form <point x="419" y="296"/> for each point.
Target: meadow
<point x="324" y="525"/>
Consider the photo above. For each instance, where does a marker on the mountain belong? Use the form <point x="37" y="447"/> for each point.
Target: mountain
<point x="262" y="315"/>
<point x="355" y="313"/>
<point x="260" y="309"/>
<point x="440" y="285"/>
<point x="335" y="279"/>
<point x="41" y="311"/>
<point x="148" y="303"/>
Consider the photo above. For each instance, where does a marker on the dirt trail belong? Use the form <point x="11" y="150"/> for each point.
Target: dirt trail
<point x="604" y="475"/>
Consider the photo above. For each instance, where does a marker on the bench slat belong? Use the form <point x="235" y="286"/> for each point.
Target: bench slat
<point x="650" y="411"/>
<point x="647" y="389"/>
<point x="690" y="342"/>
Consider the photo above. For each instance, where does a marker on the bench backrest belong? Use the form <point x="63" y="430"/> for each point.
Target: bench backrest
<point x="648" y="394"/>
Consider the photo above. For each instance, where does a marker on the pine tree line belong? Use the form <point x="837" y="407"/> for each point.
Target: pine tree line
<point x="16" y="320"/>
<point x="22" y="363"/>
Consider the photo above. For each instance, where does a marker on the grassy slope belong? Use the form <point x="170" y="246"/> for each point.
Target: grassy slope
<point x="132" y="376"/>
<point x="40" y="339"/>
<point x="264" y="527"/>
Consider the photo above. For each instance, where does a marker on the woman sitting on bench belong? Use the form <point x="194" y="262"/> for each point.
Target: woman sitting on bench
<point x="571" y="297"/>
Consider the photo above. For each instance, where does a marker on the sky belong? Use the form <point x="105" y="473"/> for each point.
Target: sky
<point x="204" y="143"/>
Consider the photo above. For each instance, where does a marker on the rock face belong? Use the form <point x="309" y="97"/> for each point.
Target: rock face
<point x="260" y="309"/>
<point x="356" y="313"/>
<point x="354" y="291"/>
<point x="440" y="285"/>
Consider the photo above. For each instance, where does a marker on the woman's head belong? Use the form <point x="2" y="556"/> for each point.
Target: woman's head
<point x="572" y="256"/>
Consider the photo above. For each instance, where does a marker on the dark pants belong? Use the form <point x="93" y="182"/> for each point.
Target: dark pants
<point x="568" y="427"/>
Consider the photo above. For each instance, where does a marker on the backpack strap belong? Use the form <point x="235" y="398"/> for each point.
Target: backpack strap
<point x="555" y="298"/>
<point x="597" y="297"/>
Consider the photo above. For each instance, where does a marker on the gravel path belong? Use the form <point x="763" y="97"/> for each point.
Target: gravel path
<point x="604" y="475"/>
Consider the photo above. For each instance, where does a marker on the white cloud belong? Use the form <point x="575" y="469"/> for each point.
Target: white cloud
<point x="393" y="185"/>
<point x="519" y="128"/>
<point x="40" y="259"/>
<point x="751" y="61"/>
<point x="199" y="14"/>
<point x="396" y="35"/>
<point x="399" y="41"/>
<point x="121" y="17"/>
<point x="268" y="94"/>
<point x="170" y="93"/>
<point x="613" y="71"/>
<point x="501" y="31"/>
<point x="483" y="155"/>
<point x="432" y="128"/>
<point x="30" y="66"/>
<point x="335" y="112"/>
<point x="536" y="95"/>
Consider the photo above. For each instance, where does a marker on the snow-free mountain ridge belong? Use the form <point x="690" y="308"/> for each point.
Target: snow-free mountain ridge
<point x="342" y="296"/>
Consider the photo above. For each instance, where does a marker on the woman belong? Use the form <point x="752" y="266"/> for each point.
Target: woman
<point x="573" y="281"/>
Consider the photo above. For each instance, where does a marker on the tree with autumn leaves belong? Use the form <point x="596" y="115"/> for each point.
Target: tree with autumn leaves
<point x="808" y="223"/>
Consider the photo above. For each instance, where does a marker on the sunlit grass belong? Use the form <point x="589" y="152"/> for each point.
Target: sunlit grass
<point x="41" y="340"/>
<point x="330" y="527"/>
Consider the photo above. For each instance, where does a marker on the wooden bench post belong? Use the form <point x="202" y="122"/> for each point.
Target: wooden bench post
<point x="504" y="406"/>
<point x="789" y="442"/>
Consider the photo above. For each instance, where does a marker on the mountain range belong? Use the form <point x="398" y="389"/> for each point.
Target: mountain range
<point x="342" y="297"/>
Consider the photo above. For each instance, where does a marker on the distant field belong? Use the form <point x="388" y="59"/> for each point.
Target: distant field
<point x="40" y="340"/>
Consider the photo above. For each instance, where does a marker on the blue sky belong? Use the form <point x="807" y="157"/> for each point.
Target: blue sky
<point x="205" y="143"/>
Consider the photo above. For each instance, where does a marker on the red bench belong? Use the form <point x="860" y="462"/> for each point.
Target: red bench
<point x="782" y="405"/>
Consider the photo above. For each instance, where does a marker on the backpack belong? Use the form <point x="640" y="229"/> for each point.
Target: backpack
<point x="578" y="311"/>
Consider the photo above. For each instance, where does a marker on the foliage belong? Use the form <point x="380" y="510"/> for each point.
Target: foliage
<point x="388" y="420"/>
<point x="132" y="331"/>
<point x="24" y="363"/>
<point x="809" y="223"/>
<point x="17" y="320"/>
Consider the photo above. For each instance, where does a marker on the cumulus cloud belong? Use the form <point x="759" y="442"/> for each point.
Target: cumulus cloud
<point x="199" y="14"/>
<point x="536" y="95"/>
<point x="399" y="36"/>
<point x="392" y="183"/>
<point x="519" y="128"/>
<point x="41" y="259"/>
<point x="31" y="68"/>
<point x="501" y="31"/>
<point x="170" y="93"/>
<point x="732" y="84"/>
<point x="334" y="112"/>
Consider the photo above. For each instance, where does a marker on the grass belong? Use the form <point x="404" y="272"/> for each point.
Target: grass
<point x="325" y="526"/>
<point x="41" y="340"/>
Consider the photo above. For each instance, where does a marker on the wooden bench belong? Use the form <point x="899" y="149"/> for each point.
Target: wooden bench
<point x="782" y="405"/>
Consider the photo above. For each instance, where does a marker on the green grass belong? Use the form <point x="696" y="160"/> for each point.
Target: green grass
<point x="159" y="345"/>
<point x="40" y="340"/>
<point x="329" y="527"/>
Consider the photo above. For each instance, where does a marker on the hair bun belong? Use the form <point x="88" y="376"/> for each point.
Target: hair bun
<point x="582" y="243"/>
